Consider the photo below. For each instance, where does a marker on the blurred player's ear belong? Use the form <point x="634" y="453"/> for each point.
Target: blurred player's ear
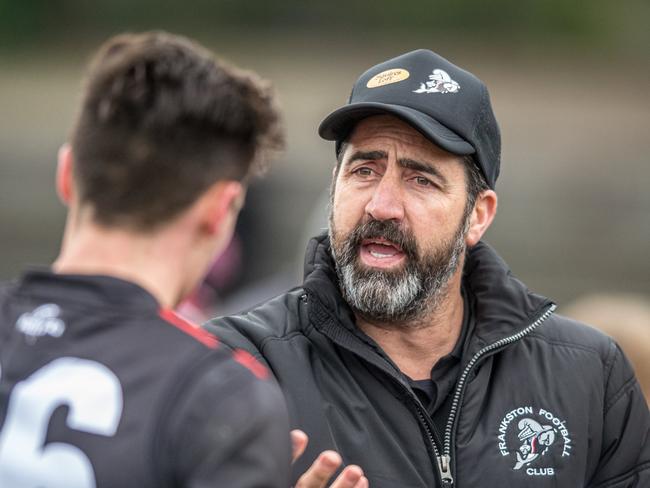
<point x="485" y="209"/>
<point x="64" y="183"/>
<point x="220" y="206"/>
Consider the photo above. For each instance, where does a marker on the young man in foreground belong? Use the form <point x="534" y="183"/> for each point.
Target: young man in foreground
<point x="101" y="384"/>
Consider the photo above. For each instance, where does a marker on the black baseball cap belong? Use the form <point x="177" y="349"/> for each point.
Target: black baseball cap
<point x="448" y="105"/>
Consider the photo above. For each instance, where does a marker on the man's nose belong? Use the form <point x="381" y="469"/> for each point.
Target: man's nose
<point x="386" y="202"/>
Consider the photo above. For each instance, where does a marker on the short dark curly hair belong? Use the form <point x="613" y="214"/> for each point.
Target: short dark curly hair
<point x="161" y="119"/>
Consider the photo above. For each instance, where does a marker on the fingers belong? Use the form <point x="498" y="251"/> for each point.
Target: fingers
<point x="351" y="477"/>
<point x="321" y="471"/>
<point x="362" y="483"/>
<point x="298" y="444"/>
<point x="319" y="474"/>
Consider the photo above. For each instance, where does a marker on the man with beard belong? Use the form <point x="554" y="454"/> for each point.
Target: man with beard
<point x="410" y="349"/>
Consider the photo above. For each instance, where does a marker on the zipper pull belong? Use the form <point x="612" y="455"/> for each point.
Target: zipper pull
<point x="444" y="463"/>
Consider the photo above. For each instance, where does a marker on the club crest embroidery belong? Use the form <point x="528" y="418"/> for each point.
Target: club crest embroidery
<point x="439" y="82"/>
<point x="533" y="438"/>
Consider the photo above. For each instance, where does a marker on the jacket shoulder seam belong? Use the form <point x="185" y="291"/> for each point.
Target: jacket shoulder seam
<point x="609" y="364"/>
<point x="286" y="337"/>
<point x="619" y="394"/>
<point x="556" y="342"/>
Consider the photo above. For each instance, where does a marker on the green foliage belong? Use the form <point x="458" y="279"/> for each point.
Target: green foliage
<point x="599" y="21"/>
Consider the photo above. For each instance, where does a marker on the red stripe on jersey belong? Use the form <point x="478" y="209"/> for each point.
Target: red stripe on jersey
<point x="189" y="328"/>
<point x="246" y="359"/>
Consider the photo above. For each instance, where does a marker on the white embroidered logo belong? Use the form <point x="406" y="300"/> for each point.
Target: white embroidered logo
<point x="535" y="440"/>
<point x="537" y="433"/>
<point x="44" y="320"/>
<point x="440" y="82"/>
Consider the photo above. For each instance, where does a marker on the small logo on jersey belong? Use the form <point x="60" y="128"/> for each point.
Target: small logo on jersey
<point x="439" y="82"/>
<point x="42" y="321"/>
<point x="532" y="438"/>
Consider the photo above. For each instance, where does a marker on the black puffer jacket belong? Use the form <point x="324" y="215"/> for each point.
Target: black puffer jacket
<point x="541" y="401"/>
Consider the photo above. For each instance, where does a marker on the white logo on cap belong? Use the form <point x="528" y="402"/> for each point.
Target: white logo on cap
<point x="440" y="82"/>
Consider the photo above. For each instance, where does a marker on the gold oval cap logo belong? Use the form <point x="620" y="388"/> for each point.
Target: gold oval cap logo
<point x="387" y="77"/>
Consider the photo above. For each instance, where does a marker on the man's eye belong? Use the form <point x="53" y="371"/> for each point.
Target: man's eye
<point x="363" y="171"/>
<point x="422" y="181"/>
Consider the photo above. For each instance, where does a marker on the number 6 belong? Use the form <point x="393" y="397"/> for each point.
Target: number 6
<point x="94" y="396"/>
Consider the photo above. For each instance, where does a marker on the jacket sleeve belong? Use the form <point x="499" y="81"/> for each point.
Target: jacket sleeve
<point x="625" y="455"/>
<point x="230" y="429"/>
<point x="277" y="318"/>
<point x="238" y="333"/>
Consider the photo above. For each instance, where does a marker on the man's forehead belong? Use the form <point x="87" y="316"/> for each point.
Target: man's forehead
<point x="387" y="130"/>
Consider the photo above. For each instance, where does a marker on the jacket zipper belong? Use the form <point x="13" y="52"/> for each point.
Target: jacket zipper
<point x="432" y="435"/>
<point x="427" y="428"/>
<point x="444" y="461"/>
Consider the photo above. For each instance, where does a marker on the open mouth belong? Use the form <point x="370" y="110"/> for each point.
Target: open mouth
<point x="379" y="252"/>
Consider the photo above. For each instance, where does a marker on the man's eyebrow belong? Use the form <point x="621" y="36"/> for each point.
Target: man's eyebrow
<point x="366" y="156"/>
<point x="423" y="167"/>
<point x="403" y="162"/>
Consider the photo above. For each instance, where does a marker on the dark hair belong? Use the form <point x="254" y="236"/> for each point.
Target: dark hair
<point x="475" y="183"/>
<point x="160" y="121"/>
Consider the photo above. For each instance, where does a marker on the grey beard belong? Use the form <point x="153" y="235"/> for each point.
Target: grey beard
<point x="396" y="296"/>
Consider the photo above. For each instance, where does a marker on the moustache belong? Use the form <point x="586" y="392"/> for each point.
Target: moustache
<point x="388" y="230"/>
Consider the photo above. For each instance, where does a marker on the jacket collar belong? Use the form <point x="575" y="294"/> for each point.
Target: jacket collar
<point x="502" y="304"/>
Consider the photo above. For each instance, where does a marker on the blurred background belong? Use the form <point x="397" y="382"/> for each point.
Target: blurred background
<point x="569" y="85"/>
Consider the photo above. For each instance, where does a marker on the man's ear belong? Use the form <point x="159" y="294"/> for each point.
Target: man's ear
<point x="485" y="209"/>
<point x="64" y="176"/>
<point x="221" y="205"/>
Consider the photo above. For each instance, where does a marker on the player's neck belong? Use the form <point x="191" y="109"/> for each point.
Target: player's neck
<point x="156" y="264"/>
<point x="416" y="347"/>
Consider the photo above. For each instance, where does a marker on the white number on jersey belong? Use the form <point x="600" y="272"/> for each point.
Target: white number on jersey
<point x="94" y="396"/>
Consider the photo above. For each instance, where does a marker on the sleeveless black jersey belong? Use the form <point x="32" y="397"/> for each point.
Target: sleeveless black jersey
<point x="99" y="387"/>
